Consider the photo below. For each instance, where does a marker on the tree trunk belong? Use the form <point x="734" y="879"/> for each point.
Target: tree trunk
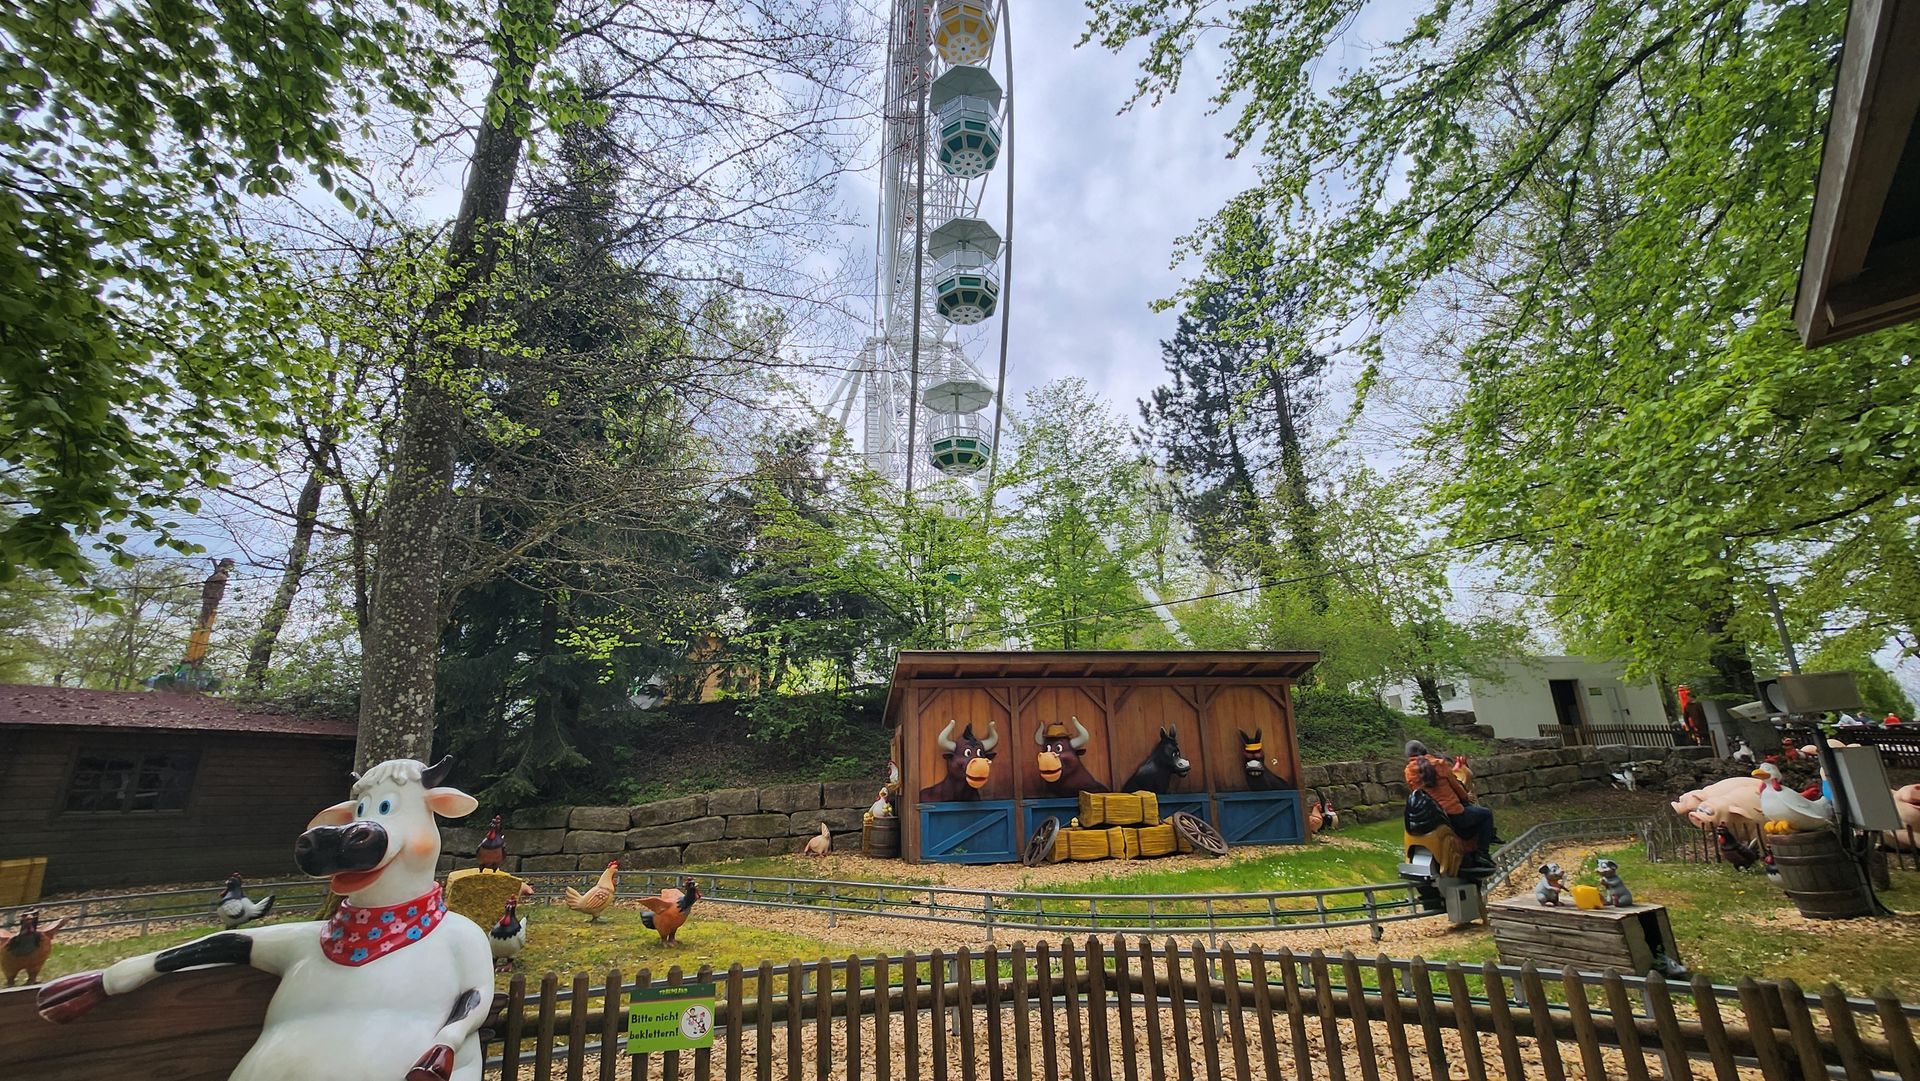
<point x="1732" y="679"/>
<point x="305" y="515"/>
<point x="1430" y="695"/>
<point x="1302" y="526"/>
<point x="407" y="610"/>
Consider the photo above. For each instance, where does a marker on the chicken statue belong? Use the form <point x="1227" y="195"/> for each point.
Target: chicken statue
<point x="1786" y="811"/>
<point x="1329" y="815"/>
<point x="492" y="853"/>
<point x="1316" y="817"/>
<point x="26" y="948"/>
<point x="819" y="844"/>
<point x="1742" y="854"/>
<point x="1463" y="772"/>
<point x="600" y="897"/>
<point x="666" y="913"/>
<point x="235" y="909"/>
<point x="508" y="937"/>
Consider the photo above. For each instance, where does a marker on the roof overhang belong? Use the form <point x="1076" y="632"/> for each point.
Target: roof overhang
<point x="930" y="665"/>
<point x="1861" y="271"/>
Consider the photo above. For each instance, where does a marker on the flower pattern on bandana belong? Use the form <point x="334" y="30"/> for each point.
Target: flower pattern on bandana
<point x="355" y="936"/>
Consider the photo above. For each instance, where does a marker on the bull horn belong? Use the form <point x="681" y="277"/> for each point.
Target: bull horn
<point x="946" y="736"/>
<point x="1080" y="741"/>
<point x="1040" y="734"/>
<point x="993" y="736"/>
<point x="434" y="774"/>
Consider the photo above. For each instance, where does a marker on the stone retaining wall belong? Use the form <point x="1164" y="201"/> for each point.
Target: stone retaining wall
<point x="739" y="823"/>
<point x="731" y="824"/>
<point x="1370" y="791"/>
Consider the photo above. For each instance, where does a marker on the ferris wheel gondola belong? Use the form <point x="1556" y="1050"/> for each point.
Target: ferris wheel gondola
<point x="942" y="266"/>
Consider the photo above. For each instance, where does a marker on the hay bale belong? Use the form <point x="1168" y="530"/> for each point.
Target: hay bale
<point x="481" y="895"/>
<point x="1123" y="842"/>
<point x="1086" y="844"/>
<point x="1149" y="808"/>
<point x="1123" y="808"/>
<point x="1158" y="840"/>
<point x="1093" y="809"/>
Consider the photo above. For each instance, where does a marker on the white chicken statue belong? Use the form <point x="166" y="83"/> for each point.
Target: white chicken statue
<point x="1787" y="811"/>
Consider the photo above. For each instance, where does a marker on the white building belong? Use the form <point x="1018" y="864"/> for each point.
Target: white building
<point x="1541" y="691"/>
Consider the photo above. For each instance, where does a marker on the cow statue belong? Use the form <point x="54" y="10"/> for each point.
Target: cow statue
<point x="392" y="988"/>
<point x="1061" y="767"/>
<point x="1253" y="760"/>
<point x="1163" y="766"/>
<point x="969" y="762"/>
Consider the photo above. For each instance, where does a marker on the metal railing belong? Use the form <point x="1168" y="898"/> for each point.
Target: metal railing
<point x="1202" y="913"/>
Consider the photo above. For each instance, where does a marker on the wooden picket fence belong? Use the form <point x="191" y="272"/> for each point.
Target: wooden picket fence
<point x="1132" y="1009"/>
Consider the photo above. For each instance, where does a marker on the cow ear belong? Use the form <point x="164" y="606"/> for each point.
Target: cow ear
<point x="450" y="802"/>
<point x="337" y="815"/>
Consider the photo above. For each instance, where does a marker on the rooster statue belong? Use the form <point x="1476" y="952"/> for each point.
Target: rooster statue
<point x="26" y="948"/>
<point x="600" y="897"/>
<point x="1786" y="811"/>
<point x="1741" y="854"/>
<point x="235" y="909"/>
<point x="667" y="913"/>
<point x="1463" y="772"/>
<point x="1329" y="815"/>
<point x="492" y="853"/>
<point x="508" y="937"/>
<point x="1315" y="818"/>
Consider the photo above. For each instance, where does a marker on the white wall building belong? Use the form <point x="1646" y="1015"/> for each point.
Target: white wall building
<point x="1544" y="690"/>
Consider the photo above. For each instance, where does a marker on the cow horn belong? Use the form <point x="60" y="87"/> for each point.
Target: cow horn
<point x="434" y="774"/>
<point x="993" y="736"/>
<point x="1040" y="734"/>
<point x="946" y="736"/>
<point x="1080" y="741"/>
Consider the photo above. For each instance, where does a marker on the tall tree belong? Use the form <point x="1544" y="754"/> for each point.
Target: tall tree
<point x="1232" y="423"/>
<point x="134" y="132"/>
<point x="1609" y="200"/>
<point x="730" y="121"/>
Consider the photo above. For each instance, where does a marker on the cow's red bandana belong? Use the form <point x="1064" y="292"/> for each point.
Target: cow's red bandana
<point x="355" y="936"/>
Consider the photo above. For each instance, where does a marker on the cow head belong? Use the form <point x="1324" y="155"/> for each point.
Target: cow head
<point x="971" y="758"/>
<point x="380" y="846"/>
<point x="1252" y="753"/>
<point x="1058" y="750"/>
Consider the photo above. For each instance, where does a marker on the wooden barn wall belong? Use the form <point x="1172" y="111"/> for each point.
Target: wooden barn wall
<point x="1143" y="711"/>
<point x="1232" y="710"/>
<point x="978" y="706"/>
<point x="252" y="795"/>
<point x="1042" y="704"/>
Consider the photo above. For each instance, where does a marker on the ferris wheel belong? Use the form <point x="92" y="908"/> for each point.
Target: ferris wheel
<point x="915" y="402"/>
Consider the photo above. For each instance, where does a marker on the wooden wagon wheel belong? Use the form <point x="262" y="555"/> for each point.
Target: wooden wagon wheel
<point x="1040" y="845"/>
<point x="1199" y="832"/>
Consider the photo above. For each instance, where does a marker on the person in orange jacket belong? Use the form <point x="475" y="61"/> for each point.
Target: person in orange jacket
<point x="1434" y="776"/>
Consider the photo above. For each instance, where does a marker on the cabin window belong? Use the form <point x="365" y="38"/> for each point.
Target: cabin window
<point x="115" y="782"/>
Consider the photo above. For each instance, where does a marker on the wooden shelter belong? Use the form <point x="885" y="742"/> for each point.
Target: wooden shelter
<point x="1123" y="698"/>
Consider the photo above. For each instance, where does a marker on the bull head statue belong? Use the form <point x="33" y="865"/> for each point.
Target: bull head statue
<point x="969" y="757"/>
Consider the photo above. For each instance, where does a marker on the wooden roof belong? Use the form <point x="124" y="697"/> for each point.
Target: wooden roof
<point x="1861" y="270"/>
<point x="22" y="705"/>
<point x="935" y="664"/>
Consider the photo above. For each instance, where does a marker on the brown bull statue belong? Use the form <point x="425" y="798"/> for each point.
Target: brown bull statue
<point x="1061" y="767"/>
<point x="969" y="762"/>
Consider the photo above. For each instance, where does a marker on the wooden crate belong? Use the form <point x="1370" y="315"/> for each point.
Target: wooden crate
<point x="20" y="880"/>
<point x="1622" y="939"/>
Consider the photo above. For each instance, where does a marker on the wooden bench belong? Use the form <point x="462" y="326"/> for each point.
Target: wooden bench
<point x="1597" y="939"/>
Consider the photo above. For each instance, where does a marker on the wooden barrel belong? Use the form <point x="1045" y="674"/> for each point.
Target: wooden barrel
<point x="1823" y="881"/>
<point x="880" y="838"/>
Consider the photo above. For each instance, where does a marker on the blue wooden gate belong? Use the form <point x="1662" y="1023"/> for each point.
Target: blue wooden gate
<point x="1260" y="818"/>
<point x="1194" y="803"/>
<point x="968" y="832"/>
<point x="1035" y="811"/>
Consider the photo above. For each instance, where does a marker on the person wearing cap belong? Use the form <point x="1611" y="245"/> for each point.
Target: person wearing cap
<point x="1434" y="776"/>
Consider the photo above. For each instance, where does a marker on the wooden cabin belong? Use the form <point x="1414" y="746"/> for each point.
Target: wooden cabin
<point x="1123" y="699"/>
<point x="124" y="788"/>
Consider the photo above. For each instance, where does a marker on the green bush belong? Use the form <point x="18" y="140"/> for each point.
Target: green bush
<point x="1336" y="726"/>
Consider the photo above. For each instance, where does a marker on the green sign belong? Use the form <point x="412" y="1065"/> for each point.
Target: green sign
<point x="670" y="1018"/>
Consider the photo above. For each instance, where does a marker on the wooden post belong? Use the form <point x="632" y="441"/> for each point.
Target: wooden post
<point x="1296" y="1014"/>
<point x="516" y="1021"/>
<point x="1097" y="1010"/>
<point x="1263" y="1012"/>
<point x="1123" y="994"/>
<point x="1505" y="1036"/>
<point x="1846" y="1038"/>
<point x="1582" y="1016"/>
<point x="638" y="1068"/>
<point x="1396" y="1024"/>
<point x="963" y="1032"/>
<point x="1043" y="969"/>
<point x="1209" y="1022"/>
<point x="996" y="1054"/>
<point x="1177" y="992"/>
<point x="1893" y="1020"/>
<point x="1332" y="1050"/>
<point x="1429" y="1016"/>
<point x="910" y="1011"/>
<point x="613" y="1024"/>
<point x="1070" y="994"/>
<point x="937" y="1013"/>
<point x="1236" y="1015"/>
<point x="1150" y="1002"/>
<point x="1362" y="1022"/>
<point x="1545" y="1036"/>
<point x="543" y="1050"/>
<point x="1805" y="1041"/>
<point x="1713" y="1030"/>
<point x="1022" y="1039"/>
<point x="762" y="1026"/>
<point x="883" y="1021"/>
<point x="796" y="989"/>
<point x="1766" y="1049"/>
<point x="852" y="1019"/>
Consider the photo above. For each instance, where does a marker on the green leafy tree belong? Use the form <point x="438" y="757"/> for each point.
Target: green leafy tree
<point x="133" y="134"/>
<point x="1080" y="539"/>
<point x="1608" y="202"/>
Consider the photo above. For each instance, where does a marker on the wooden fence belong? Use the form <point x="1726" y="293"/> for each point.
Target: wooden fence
<point x="1654" y="737"/>
<point x="1084" y="1011"/>
<point x="1099" y="1010"/>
